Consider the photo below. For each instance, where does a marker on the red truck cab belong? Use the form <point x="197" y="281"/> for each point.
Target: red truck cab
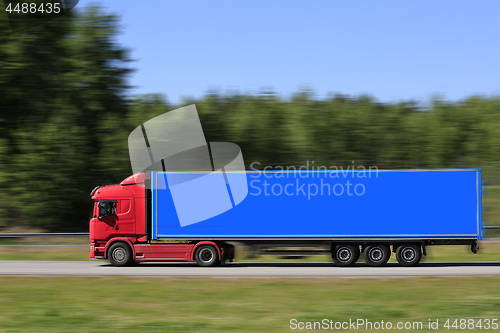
<point x="119" y="230"/>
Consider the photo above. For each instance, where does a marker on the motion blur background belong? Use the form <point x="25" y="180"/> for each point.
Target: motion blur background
<point x="71" y="91"/>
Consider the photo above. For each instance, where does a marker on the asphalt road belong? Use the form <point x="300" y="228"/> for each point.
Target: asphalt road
<point x="100" y="268"/>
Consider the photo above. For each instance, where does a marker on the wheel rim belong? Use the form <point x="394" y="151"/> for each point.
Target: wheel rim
<point x="119" y="254"/>
<point x="408" y="254"/>
<point x="344" y="254"/>
<point x="376" y="254"/>
<point x="205" y="255"/>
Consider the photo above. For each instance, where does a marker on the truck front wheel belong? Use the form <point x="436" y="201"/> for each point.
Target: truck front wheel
<point x="345" y="255"/>
<point x="408" y="255"/>
<point x="206" y="255"/>
<point x="377" y="255"/>
<point x="120" y="254"/>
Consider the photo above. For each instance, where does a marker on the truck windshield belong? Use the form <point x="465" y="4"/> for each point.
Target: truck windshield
<point x="107" y="208"/>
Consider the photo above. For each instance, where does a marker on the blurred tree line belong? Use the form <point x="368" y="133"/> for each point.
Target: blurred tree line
<point x="66" y="114"/>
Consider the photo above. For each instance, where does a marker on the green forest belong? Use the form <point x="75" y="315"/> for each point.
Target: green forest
<point x="66" y="112"/>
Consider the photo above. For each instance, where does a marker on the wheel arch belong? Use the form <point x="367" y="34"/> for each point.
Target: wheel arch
<point x="197" y="245"/>
<point x="118" y="240"/>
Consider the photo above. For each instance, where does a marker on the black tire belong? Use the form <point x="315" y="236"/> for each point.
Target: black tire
<point x="408" y="255"/>
<point x="377" y="255"/>
<point x="357" y="252"/>
<point x="206" y="256"/>
<point x="345" y="254"/>
<point x="120" y="254"/>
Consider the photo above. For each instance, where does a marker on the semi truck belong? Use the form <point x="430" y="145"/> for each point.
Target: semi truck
<point x="196" y="216"/>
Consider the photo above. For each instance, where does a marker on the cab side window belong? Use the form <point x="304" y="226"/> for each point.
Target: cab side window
<point x="107" y="208"/>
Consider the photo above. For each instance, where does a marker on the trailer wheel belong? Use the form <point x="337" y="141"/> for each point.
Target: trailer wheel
<point x="206" y="255"/>
<point x="120" y="254"/>
<point x="377" y="255"/>
<point x="408" y="255"/>
<point x="345" y="255"/>
<point x="357" y="252"/>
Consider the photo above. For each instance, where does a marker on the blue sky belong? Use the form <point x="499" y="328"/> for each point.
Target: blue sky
<point x="392" y="50"/>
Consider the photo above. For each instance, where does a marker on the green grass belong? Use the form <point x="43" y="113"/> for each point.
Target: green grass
<point x="64" y="254"/>
<point x="127" y="304"/>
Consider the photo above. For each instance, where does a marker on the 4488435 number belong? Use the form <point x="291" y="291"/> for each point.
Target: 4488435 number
<point x="462" y="324"/>
<point x="33" y="8"/>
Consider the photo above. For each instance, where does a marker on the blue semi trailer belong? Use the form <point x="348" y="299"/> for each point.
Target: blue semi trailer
<point x="348" y="212"/>
<point x="367" y="210"/>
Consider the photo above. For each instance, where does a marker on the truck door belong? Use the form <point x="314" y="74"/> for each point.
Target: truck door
<point x="125" y="216"/>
